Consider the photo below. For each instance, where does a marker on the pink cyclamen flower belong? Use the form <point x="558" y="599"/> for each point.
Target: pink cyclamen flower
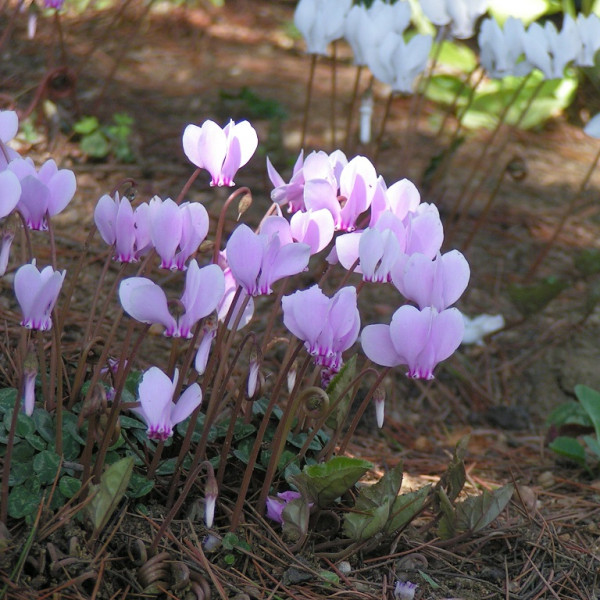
<point x="176" y="231"/>
<point x="291" y="193"/>
<point x="29" y="376"/>
<point x="417" y="338"/>
<point x="221" y="151"/>
<point x="405" y="590"/>
<point x="43" y="193"/>
<point x="438" y="283"/>
<point x="157" y="408"/>
<point x="57" y="4"/>
<point x="146" y="302"/>
<point x="121" y="226"/>
<point x="328" y="326"/>
<point x="275" y="506"/>
<point x="10" y="191"/>
<point x="259" y="260"/>
<point x="37" y="293"/>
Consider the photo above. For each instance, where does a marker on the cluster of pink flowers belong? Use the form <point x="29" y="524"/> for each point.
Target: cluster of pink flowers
<point x="384" y="233"/>
<point x="401" y="245"/>
<point x="35" y="195"/>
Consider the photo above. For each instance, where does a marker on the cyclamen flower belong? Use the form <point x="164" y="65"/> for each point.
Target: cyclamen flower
<point x="438" y="283"/>
<point x="417" y="338"/>
<point x="37" y="293"/>
<point x="146" y="302"/>
<point x="291" y="193"/>
<point x="502" y="48"/>
<point x="259" y="260"/>
<point x="459" y="14"/>
<point x="588" y="29"/>
<point x="43" y="193"/>
<point x="398" y="63"/>
<point x="9" y="125"/>
<point x="275" y="506"/>
<point x="550" y="50"/>
<point x="57" y="4"/>
<point x="221" y="151"/>
<point x="157" y="408"/>
<point x="366" y="27"/>
<point x="121" y="226"/>
<point x="321" y="22"/>
<point x="328" y="326"/>
<point x="174" y="228"/>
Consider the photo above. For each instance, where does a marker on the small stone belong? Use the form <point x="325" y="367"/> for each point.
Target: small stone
<point x="546" y="479"/>
<point x="344" y="567"/>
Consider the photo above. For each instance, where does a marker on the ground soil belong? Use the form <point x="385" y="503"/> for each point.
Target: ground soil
<point x="171" y="67"/>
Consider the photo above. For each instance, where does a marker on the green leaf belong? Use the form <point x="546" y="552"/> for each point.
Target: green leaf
<point x="46" y="464"/>
<point x="569" y="413"/>
<point x="590" y="400"/>
<point x="36" y="442"/>
<point x="429" y="581"/>
<point x="363" y="525"/>
<point x="477" y="512"/>
<point x="8" y="397"/>
<point x="22" y="453"/>
<point x="23" y="502"/>
<point x="86" y="125"/>
<point x="592" y="444"/>
<point x="532" y="299"/>
<point x="139" y="486"/>
<point x="329" y="577"/>
<point x="295" y="516"/>
<point x="95" y="145"/>
<point x="19" y="473"/>
<point x="372" y="509"/>
<point x="25" y="425"/>
<point x="569" y="448"/>
<point x="69" y="486"/>
<point x="336" y="387"/>
<point x="108" y="493"/>
<point x="325" y="482"/>
<point x="44" y="424"/>
<point x="406" y="507"/>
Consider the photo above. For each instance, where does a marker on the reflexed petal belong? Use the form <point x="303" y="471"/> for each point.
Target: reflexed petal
<point x="190" y="400"/>
<point x="455" y="274"/>
<point x="9" y="125"/>
<point x="347" y="250"/>
<point x="27" y="285"/>
<point x="410" y="330"/>
<point x="125" y="232"/>
<point x="10" y="192"/>
<point x="291" y="259"/>
<point x="191" y="143"/>
<point x="105" y="217"/>
<point x="165" y="228"/>
<point x="212" y="148"/>
<point x="245" y="256"/>
<point x="377" y="345"/>
<point x="45" y="300"/>
<point x="447" y="333"/>
<point x="296" y="306"/>
<point x="248" y="141"/>
<point x="33" y="204"/>
<point x="156" y="393"/>
<point x="62" y="188"/>
<point x="204" y="289"/>
<point x="146" y="302"/>
<point x="277" y="226"/>
<point x="315" y="228"/>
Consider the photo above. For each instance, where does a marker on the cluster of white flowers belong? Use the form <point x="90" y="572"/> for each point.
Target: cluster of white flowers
<point x="376" y="36"/>
<point x="514" y="50"/>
